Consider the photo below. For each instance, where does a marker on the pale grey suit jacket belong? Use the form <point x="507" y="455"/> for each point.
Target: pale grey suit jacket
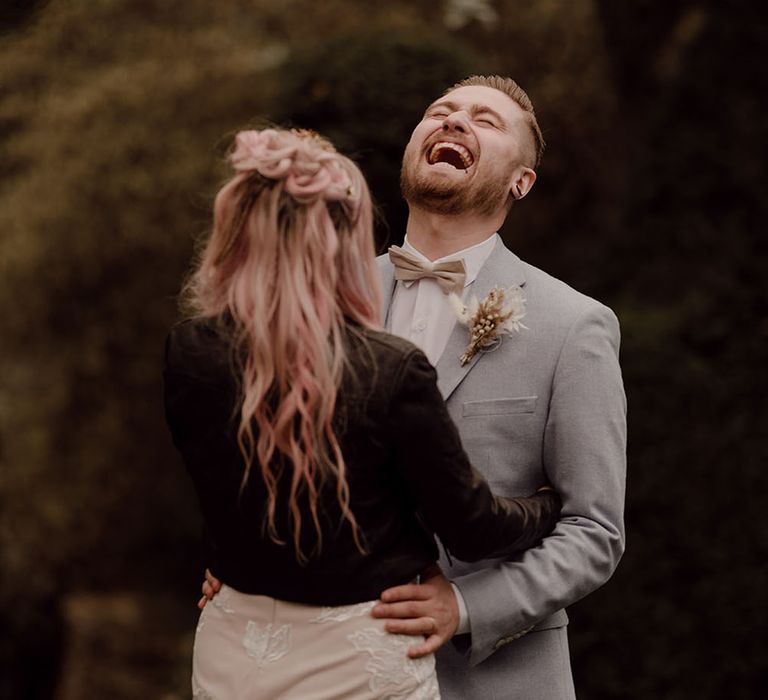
<point x="547" y="404"/>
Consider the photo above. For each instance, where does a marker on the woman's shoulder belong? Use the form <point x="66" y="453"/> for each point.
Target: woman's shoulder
<point x="390" y="359"/>
<point x="386" y="346"/>
<point x="204" y="329"/>
<point x="197" y="342"/>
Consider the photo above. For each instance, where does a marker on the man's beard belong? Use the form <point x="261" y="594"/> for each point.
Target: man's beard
<point x="451" y="199"/>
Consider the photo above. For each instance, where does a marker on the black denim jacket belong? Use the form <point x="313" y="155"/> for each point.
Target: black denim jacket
<point x="407" y="472"/>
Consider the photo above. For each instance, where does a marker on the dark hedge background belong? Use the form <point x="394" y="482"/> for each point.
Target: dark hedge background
<point x="651" y="197"/>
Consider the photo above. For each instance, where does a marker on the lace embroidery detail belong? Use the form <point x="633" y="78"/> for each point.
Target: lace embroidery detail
<point x="201" y="620"/>
<point x="393" y="672"/>
<point x="198" y="692"/>
<point x="342" y="613"/>
<point x="266" y="646"/>
<point x="222" y="601"/>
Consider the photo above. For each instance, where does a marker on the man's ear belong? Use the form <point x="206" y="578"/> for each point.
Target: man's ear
<point x="524" y="179"/>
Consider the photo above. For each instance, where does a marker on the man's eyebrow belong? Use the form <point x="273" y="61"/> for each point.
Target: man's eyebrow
<point x="474" y="110"/>
<point x="484" y="109"/>
<point x="452" y="106"/>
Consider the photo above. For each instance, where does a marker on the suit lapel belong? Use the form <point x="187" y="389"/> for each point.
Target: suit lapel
<point x="387" y="271"/>
<point x="504" y="269"/>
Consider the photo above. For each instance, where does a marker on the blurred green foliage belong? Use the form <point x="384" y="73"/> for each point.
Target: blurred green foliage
<point x="114" y="115"/>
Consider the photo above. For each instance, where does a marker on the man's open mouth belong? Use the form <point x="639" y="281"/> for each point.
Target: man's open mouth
<point x="452" y="153"/>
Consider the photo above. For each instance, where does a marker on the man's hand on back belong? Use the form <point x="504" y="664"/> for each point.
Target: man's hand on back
<point x="428" y="608"/>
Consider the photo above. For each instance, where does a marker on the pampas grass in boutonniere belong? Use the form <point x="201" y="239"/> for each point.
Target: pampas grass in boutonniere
<point x="499" y="313"/>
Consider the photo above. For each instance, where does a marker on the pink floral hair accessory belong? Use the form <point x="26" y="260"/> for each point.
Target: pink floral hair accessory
<point x="308" y="165"/>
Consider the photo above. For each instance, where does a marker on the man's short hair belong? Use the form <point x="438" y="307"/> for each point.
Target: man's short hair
<point x="510" y="88"/>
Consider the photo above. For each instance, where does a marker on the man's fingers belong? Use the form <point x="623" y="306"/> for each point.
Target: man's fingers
<point x="410" y="591"/>
<point x="423" y="626"/>
<point x="212" y="581"/>
<point x="407" y="609"/>
<point x="433" y="643"/>
<point x="211" y="586"/>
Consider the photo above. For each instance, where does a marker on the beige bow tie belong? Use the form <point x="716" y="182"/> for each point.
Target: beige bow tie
<point x="450" y="275"/>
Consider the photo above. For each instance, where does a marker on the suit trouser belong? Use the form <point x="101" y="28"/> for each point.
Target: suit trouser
<point x="535" y="667"/>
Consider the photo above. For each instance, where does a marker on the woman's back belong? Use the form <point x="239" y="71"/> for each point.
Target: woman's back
<point x="406" y="471"/>
<point x="202" y="397"/>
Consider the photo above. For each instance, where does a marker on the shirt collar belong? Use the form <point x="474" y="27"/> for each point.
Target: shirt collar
<point x="474" y="257"/>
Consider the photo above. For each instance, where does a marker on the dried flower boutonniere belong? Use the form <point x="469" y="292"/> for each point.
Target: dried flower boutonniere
<point x="499" y="313"/>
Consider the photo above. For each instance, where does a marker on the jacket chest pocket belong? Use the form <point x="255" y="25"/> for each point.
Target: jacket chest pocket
<point x="498" y="407"/>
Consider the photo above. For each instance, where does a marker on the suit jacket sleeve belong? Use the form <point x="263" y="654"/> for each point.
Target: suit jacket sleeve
<point x="585" y="459"/>
<point x="454" y="498"/>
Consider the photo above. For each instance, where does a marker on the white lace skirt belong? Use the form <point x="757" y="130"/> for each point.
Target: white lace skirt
<point x="252" y="646"/>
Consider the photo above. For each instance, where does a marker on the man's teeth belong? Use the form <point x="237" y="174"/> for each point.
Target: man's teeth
<point x="464" y="154"/>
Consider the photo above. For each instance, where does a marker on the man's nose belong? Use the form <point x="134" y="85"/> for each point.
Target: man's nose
<point x="456" y="121"/>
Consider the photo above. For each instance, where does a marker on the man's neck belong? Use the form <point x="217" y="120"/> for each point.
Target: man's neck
<point x="437" y="235"/>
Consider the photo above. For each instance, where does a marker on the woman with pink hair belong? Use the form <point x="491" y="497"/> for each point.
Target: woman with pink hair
<point x="320" y="448"/>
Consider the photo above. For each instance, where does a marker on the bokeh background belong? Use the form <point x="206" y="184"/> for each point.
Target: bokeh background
<point x="114" y="115"/>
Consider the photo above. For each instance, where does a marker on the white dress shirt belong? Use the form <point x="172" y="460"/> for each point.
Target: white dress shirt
<point x="421" y="313"/>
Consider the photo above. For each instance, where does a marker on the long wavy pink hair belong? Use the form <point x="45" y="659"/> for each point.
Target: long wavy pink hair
<point x="291" y="260"/>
